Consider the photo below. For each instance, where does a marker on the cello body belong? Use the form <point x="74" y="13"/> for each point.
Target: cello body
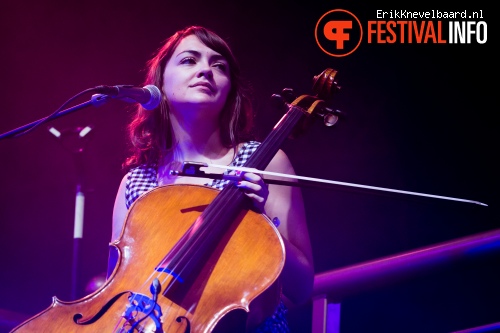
<point x="246" y="262"/>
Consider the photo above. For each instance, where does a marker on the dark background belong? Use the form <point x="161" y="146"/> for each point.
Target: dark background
<point x="418" y="118"/>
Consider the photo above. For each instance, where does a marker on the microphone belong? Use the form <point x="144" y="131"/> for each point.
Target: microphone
<point x="149" y="96"/>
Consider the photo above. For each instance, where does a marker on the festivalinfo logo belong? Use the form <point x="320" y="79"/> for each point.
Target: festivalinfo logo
<point x="339" y="32"/>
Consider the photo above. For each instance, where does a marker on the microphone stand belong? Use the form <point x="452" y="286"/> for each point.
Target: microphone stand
<point x="96" y="100"/>
<point x="74" y="141"/>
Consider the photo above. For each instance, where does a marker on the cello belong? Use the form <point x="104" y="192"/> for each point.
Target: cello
<point x="179" y="267"/>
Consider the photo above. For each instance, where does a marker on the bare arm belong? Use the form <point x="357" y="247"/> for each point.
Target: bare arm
<point x="285" y="203"/>
<point x="119" y="211"/>
<point x="119" y="214"/>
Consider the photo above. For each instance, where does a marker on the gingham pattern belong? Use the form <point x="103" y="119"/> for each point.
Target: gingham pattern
<point x="240" y="159"/>
<point x="139" y="180"/>
<point x="144" y="178"/>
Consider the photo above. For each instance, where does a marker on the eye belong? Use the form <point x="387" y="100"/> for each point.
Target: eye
<point x="222" y="66"/>
<point x="188" y="60"/>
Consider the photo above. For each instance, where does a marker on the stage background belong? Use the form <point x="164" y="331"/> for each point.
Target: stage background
<point x="418" y="118"/>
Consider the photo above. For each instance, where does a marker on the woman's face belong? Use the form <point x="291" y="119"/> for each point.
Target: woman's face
<point x="196" y="77"/>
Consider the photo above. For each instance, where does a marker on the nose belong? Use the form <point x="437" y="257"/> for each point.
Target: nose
<point x="206" y="71"/>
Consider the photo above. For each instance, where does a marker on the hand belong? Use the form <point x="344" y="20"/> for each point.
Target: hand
<point x="255" y="189"/>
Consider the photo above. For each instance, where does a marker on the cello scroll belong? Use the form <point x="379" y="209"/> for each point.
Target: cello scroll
<point x="325" y="87"/>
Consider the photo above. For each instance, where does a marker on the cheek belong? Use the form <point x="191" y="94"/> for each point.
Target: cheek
<point x="227" y="88"/>
<point x="169" y="89"/>
<point x="169" y="83"/>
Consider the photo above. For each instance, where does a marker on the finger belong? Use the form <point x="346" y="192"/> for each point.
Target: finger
<point x="255" y="197"/>
<point x="260" y="189"/>
<point x="250" y="176"/>
<point x="246" y="185"/>
<point x="256" y="179"/>
<point x="258" y="201"/>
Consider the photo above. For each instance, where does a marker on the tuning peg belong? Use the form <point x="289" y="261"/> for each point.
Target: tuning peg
<point x="331" y="116"/>
<point x="330" y="119"/>
<point x="278" y="101"/>
<point x="288" y="94"/>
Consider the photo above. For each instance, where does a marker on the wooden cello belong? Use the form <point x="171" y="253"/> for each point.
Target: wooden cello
<point x="180" y="266"/>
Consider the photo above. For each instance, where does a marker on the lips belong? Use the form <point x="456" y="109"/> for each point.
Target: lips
<point x="204" y="84"/>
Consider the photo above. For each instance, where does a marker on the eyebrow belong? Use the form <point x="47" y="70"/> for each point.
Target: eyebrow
<point x="215" y="56"/>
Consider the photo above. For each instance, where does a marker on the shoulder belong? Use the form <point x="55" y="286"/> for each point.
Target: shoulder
<point x="142" y="171"/>
<point x="244" y="151"/>
<point x="280" y="163"/>
<point x="141" y="175"/>
<point x="248" y="147"/>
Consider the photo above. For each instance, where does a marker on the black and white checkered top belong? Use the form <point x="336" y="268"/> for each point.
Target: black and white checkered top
<point x="145" y="177"/>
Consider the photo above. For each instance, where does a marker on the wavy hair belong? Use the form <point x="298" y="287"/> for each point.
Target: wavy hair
<point x="150" y="131"/>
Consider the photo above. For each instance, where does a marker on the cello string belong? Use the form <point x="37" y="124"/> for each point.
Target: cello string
<point x="118" y="323"/>
<point x="210" y="219"/>
<point x="214" y="214"/>
<point x="202" y="233"/>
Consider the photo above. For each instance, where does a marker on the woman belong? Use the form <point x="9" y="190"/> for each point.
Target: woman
<point x="205" y="116"/>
